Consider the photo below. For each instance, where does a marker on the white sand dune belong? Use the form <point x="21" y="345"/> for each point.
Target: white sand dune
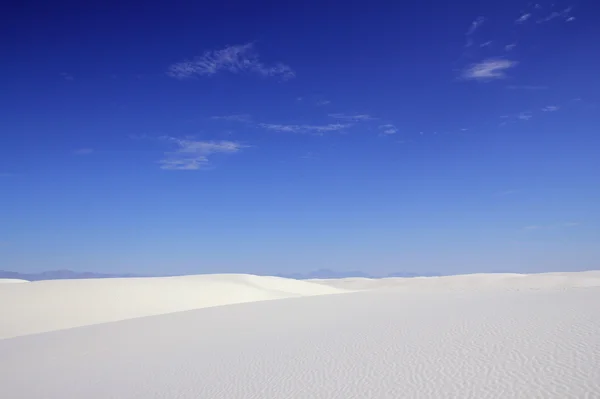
<point x="43" y="306"/>
<point x="12" y="280"/>
<point x="478" y="336"/>
<point x="469" y="282"/>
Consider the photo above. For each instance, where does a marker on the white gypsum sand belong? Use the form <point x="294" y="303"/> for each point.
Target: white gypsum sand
<point x="43" y="306"/>
<point x="478" y="336"/>
<point x="469" y="282"/>
<point x="12" y="280"/>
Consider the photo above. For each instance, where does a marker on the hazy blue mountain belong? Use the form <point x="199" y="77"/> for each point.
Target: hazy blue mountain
<point x="60" y="275"/>
<point x="320" y="274"/>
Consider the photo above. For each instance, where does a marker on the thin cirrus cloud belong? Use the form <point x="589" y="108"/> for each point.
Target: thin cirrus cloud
<point x="526" y="87"/>
<point x="388" y="128"/>
<point x="475" y="25"/>
<point x="246" y="118"/>
<point x="353" y="118"/>
<point x="551" y="108"/>
<point x="489" y="69"/>
<point x="564" y="14"/>
<point x="194" y="154"/>
<point x="472" y="28"/>
<point x="234" y="59"/>
<point x="524" y="116"/>
<point x="318" y="129"/>
<point x="523" y="18"/>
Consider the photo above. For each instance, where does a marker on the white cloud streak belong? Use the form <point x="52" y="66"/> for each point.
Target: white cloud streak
<point x="551" y="108"/>
<point x="331" y="127"/>
<point x="523" y="18"/>
<point x="524" y="116"/>
<point x="475" y="25"/>
<point x="472" y="28"/>
<point x="388" y="128"/>
<point x="233" y="59"/>
<point x="558" y="14"/>
<point x="194" y="154"/>
<point x="490" y="69"/>
<point x="354" y="118"/>
<point x="246" y="118"/>
<point x="526" y="87"/>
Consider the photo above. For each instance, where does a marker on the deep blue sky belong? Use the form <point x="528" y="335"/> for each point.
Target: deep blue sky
<point x="165" y="137"/>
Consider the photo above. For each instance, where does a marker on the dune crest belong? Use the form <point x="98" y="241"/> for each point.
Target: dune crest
<point x="50" y="305"/>
<point x="470" y="282"/>
<point x="478" y="336"/>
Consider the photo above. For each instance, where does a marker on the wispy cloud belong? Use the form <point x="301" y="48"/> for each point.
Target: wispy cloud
<point x="490" y="69"/>
<point x="388" y="128"/>
<point x="551" y="108"/>
<point x="194" y="154"/>
<point x="354" y="118"/>
<point x="331" y="127"/>
<point x="472" y="28"/>
<point x="523" y="18"/>
<point x="475" y="25"/>
<point x="564" y="14"/>
<point x="246" y="118"/>
<point x="526" y="87"/>
<point x="323" y="102"/>
<point x="233" y="59"/>
<point x="83" y="151"/>
<point x="510" y="47"/>
<point x="486" y="44"/>
<point x="524" y="116"/>
<point x="66" y="76"/>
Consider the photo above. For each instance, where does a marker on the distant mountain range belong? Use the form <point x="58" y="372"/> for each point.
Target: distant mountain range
<point x="316" y="274"/>
<point x="60" y="275"/>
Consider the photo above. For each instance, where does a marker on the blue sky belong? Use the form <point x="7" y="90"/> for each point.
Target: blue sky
<point x="258" y="137"/>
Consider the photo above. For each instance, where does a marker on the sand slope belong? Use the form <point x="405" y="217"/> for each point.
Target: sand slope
<point x="539" y="341"/>
<point x="42" y="306"/>
<point x="470" y="282"/>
